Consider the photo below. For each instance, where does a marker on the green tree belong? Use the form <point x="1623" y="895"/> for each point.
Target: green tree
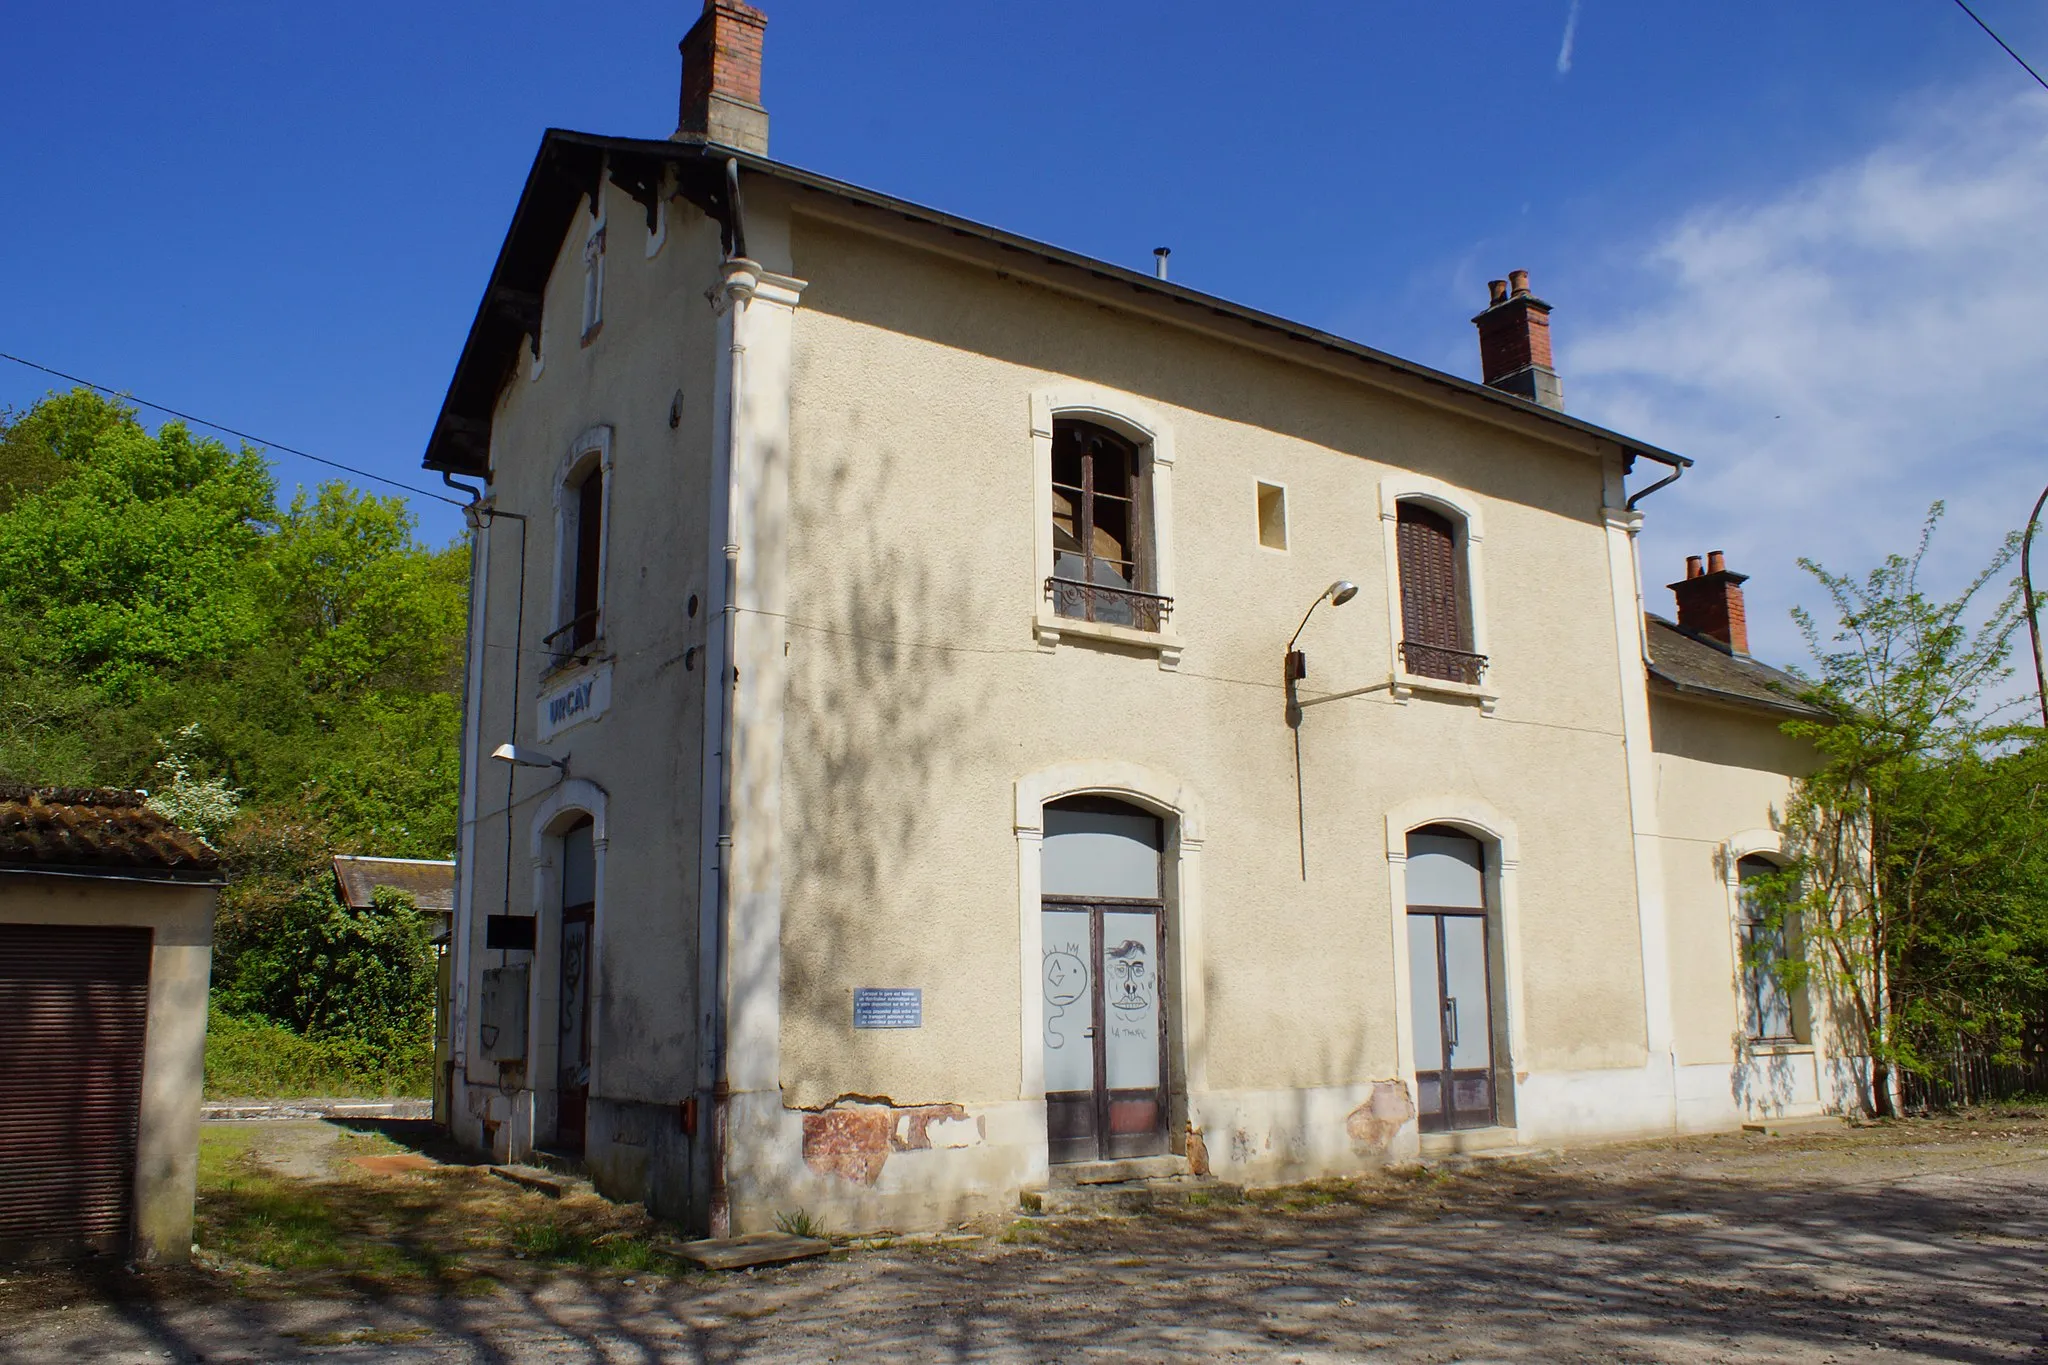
<point x="1900" y="838"/>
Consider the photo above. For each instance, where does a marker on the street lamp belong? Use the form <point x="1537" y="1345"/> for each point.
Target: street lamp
<point x="1294" y="669"/>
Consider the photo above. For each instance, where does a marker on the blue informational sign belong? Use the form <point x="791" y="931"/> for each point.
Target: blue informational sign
<point x="888" y="1007"/>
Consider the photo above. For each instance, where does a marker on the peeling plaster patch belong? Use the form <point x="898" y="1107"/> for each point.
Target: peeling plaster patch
<point x="1372" y="1125"/>
<point x="853" y="1141"/>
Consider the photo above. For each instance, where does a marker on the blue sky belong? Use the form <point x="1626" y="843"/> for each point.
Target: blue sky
<point x="1797" y="242"/>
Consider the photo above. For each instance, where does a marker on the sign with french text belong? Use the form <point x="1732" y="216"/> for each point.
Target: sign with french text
<point x="573" y="700"/>
<point x="888" y="1007"/>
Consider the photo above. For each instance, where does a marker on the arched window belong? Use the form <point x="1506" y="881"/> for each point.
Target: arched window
<point x="1774" y="1012"/>
<point x="1103" y="945"/>
<point x="1436" y="613"/>
<point x="582" y="507"/>
<point x="1102" y="557"/>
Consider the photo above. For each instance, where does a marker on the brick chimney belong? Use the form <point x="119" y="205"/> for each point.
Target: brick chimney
<point x="1514" y="342"/>
<point x="1710" y="601"/>
<point x="722" y="78"/>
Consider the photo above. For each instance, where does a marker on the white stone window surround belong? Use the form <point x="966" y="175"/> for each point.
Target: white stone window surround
<point x="572" y="799"/>
<point x="1768" y="843"/>
<point x="1178" y="805"/>
<point x="593" y="280"/>
<point x="1503" y="893"/>
<point x="1137" y="422"/>
<point x="591" y="450"/>
<point x="1464" y="511"/>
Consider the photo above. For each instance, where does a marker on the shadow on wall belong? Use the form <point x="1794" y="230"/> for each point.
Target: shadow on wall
<point x="883" y="732"/>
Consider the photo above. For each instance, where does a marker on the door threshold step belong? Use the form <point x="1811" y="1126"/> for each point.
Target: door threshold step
<point x="553" y="1184"/>
<point x="1470" y="1142"/>
<point x="1805" y="1123"/>
<point x="1117" y="1171"/>
<point x="750" y="1249"/>
<point x="1130" y="1196"/>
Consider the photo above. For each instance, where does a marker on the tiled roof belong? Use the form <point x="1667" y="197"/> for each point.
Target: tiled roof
<point x="430" y="883"/>
<point x="1692" y="665"/>
<point x="92" y="829"/>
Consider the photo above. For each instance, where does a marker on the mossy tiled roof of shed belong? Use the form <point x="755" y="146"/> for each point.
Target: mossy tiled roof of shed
<point x="84" y="830"/>
<point x="1691" y="664"/>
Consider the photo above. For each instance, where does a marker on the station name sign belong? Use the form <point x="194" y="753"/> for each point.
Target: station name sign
<point x="573" y="700"/>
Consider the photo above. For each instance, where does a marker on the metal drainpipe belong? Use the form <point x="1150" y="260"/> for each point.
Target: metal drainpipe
<point x="720" y="1210"/>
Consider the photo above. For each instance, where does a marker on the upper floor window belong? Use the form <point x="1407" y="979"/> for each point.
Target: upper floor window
<point x="1776" y="1011"/>
<point x="1436" y="617"/>
<point x="581" y="506"/>
<point x="593" y="282"/>
<point x="1102" y="566"/>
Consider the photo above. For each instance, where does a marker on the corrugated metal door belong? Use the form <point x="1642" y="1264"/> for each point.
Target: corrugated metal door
<point x="74" y="1010"/>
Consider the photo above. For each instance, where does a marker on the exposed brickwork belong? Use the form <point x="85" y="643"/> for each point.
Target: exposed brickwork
<point x="721" y="56"/>
<point x="853" y="1140"/>
<point x="1710" y="601"/>
<point x="1514" y="331"/>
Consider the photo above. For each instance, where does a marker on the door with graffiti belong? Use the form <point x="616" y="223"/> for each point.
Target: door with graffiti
<point x="1103" y="984"/>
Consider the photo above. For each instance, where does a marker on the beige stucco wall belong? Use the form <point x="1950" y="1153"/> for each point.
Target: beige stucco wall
<point x="918" y="696"/>
<point x="174" y="1053"/>
<point x="1721" y="772"/>
<point x="642" y="755"/>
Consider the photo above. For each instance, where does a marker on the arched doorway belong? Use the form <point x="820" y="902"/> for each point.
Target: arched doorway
<point x="1451" y="956"/>
<point x="1103" y="956"/>
<point x="572" y="1054"/>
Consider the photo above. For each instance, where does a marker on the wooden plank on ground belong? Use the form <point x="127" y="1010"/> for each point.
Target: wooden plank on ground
<point x="755" y="1248"/>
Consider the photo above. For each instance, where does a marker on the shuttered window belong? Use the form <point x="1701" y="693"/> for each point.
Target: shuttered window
<point x="74" y="1012"/>
<point x="1434" y="633"/>
<point x="589" y="557"/>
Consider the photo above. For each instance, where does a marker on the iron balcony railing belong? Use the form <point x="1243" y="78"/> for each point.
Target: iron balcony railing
<point x="1108" y="605"/>
<point x="1435" y="661"/>
<point x="579" y="641"/>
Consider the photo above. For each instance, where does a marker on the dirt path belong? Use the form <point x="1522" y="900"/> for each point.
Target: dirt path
<point x="1921" y="1241"/>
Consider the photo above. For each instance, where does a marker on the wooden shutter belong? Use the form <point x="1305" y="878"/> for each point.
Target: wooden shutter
<point x="74" y="1013"/>
<point x="589" y="553"/>
<point x="1430" y="614"/>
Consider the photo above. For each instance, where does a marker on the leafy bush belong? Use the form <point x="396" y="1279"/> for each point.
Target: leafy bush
<point x="249" y="1058"/>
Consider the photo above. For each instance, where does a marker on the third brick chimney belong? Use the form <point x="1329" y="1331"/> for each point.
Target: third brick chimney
<point x="1710" y="601"/>
<point x="1514" y="342"/>
<point x="722" y="78"/>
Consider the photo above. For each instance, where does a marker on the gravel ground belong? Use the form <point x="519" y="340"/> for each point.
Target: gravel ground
<point x="1923" y="1240"/>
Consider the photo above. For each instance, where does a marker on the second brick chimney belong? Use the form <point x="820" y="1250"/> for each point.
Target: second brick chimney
<point x="1514" y="342"/>
<point x="1710" y="601"/>
<point x="722" y="78"/>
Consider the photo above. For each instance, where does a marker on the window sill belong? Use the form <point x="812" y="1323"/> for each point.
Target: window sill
<point x="1051" y="629"/>
<point x="589" y="656"/>
<point x="592" y="334"/>
<point x="1762" y="1048"/>
<point x="1404" y="685"/>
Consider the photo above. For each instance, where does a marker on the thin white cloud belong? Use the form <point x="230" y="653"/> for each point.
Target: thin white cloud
<point x="1836" y="353"/>
<point x="1571" y="37"/>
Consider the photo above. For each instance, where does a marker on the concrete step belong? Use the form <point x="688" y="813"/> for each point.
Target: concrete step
<point x="1116" y="1198"/>
<point x="553" y="1184"/>
<point x="1805" y="1123"/>
<point x="1069" y="1174"/>
<point x="559" y="1161"/>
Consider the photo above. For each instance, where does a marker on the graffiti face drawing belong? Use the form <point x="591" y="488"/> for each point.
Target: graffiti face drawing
<point x="1066" y="980"/>
<point x="1130" y="979"/>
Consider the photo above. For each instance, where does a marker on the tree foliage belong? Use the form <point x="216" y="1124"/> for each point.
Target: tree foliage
<point x="1920" y="872"/>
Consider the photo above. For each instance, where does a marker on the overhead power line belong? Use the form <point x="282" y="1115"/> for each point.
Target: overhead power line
<point x="2004" y="44"/>
<point x="241" y="435"/>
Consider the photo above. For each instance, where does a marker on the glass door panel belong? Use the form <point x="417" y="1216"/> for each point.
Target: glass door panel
<point x="1426" y="1002"/>
<point x="1468" y="1020"/>
<point x="1069" y="995"/>
<point x="1131" y="1035"/>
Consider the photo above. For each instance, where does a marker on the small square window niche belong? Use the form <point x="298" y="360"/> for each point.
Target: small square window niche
<point x="1272" y="516"/>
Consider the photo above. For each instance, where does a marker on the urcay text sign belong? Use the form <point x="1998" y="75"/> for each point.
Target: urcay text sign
<point x="575" y="700"/>
<point x="888" y="1007"/>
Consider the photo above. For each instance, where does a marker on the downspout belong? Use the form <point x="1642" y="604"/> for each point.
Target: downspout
<point x="734" y="291"/>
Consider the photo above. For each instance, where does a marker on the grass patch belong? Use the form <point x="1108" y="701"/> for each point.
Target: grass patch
<point x="248" y="1214"/>
<point x="255" y="1059"/>
<point x="799" y="1223"/>
<point x="558" y="1242"/>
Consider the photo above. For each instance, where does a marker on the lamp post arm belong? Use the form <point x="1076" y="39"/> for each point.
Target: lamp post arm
<point x="2033" y="613"/>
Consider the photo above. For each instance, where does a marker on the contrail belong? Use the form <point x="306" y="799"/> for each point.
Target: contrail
<point x="1571" y="33"/>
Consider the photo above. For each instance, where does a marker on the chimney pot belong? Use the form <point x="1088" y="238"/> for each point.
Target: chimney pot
<point x="1514" y="342"/>
<point x="1710" y="603"/>
<point x="721" y="96"/>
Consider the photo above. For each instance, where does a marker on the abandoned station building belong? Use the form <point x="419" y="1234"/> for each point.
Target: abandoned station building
<point x="948" y="717"/>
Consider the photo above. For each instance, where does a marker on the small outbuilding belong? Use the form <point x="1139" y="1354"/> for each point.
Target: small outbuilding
<point x="106" y="946"/>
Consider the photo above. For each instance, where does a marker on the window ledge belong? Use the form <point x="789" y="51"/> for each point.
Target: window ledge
<point x="590" y="656"/>
<point x="1052" y="629"/>
<point x="1404" y="685"/>
<point x="1760" y="1048"/>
